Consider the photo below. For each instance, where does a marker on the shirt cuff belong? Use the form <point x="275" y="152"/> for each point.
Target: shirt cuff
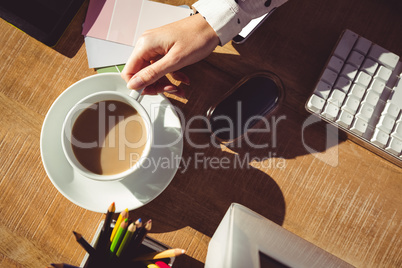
<point x="225" y="18"/>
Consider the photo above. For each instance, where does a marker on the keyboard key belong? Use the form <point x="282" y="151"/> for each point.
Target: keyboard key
<point x="362" y="45"/>
<point x="363" y="79"/>
<point x="359" y="126"/>
<point x="351" y="105"/>
<point x="398" y="131"/>
<point x="396" y="97"/>
<point x="329" y="76"/>
<point x="391" y="110"/>
<point x="380" y="138"/>
<point x="386" y="123"/>
<point x="394" y="146"/>
<point x="315" y="104"/>
<point x="330" y="111"/>
<point x="357" y="91"/>
<point x="383" y="56"/>
<point x="377" y="86"/>
<point x="343" y="84"/>
<point x="345" y="44"/>
<point x="349" y="71"/>
<point x="369" y="66"/>
<point x="322" y="90"/>
<point x="395" y="76"/>
<point x="335" y="64"/>
<point x="383" y="73"/>
<point x="365" y="112"/>
<point x="345" y="119"/>
<point x="371" y="98"/>
<point x="337" y="97"/>
<point x="355" y="59"/>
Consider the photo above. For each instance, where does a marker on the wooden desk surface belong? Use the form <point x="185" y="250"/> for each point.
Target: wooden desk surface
<point x="352" y="210"/>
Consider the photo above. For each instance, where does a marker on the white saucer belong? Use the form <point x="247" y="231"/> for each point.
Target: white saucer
<point x="130" y="192"/>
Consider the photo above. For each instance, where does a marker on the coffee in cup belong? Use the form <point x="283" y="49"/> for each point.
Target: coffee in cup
<point x="107" y="135"/>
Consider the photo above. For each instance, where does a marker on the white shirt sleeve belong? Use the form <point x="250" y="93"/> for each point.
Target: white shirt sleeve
<point x="228" y="17"/>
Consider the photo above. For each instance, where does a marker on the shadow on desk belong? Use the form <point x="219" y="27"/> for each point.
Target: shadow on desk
<point x="209" y="179"/>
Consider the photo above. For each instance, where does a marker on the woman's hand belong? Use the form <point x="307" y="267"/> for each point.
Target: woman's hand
<point x="167" y="49"/>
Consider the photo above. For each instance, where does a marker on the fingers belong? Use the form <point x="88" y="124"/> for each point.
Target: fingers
<point x="161" y="85"/>
<point x="153" y="72"/>
<point x="134" y="64"/>
<point x="145" y="52"/>
<point x="150" y="74"/>
<point x="145" y="77"/>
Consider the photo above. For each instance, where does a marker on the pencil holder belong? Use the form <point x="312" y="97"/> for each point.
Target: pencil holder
<point x="148" y="245"/>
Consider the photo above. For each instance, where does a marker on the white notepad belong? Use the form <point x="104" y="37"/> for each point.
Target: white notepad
<point x="246" y="239"/>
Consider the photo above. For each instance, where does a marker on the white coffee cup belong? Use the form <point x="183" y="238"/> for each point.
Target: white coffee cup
<point x="103" y="96"/>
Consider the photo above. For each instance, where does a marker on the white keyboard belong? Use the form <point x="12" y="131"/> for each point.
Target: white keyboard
<point x="360" y="92"/>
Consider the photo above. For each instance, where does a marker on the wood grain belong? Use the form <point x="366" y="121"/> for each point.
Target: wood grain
<point x="341" y="198"/>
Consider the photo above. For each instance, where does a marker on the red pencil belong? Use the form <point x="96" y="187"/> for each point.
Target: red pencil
<point x="161" y="264"/>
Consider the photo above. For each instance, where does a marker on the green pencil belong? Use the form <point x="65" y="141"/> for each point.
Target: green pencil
<point x="119" y="236"/>
<point x="126" y="240"/>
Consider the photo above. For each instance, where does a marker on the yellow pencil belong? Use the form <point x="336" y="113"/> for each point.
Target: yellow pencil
<point x="151" y="265"/>
<point x="123" y="215"/>
<point x="161" y="255"/>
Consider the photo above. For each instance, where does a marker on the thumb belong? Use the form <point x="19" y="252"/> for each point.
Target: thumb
<point x="149" y="74"/>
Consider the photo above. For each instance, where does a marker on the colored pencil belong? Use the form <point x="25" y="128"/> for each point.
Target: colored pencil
<point x="105" y="233"/>
<point x="84" y="243"/>
<point x="123" y="215"/>
<point x="102" y="246"/>
<point x="161" y="255"/>
<point x="119" y="236"/>
<point x="138" y="225"/>
<point x="161" y="264"/>
<point x="142" y="232"/>
<point x="129" y="247"/>
<point x="150" y="264"/>
<point x="111" y="209"/>
<point x="126" y="240"/>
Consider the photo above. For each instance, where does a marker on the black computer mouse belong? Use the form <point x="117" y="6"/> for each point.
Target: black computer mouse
<point x="248" y="102"/>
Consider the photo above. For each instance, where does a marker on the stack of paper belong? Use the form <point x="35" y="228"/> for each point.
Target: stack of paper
<point x="112" y="27"/>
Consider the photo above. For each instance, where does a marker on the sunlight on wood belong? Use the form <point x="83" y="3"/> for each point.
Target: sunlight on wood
<point x="227" y="49"/>
<point x="194" y="247"/>
<point x="226" y="149"/>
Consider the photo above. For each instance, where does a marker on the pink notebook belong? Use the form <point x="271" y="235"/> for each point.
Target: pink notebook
<point x="123" y="21"/>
